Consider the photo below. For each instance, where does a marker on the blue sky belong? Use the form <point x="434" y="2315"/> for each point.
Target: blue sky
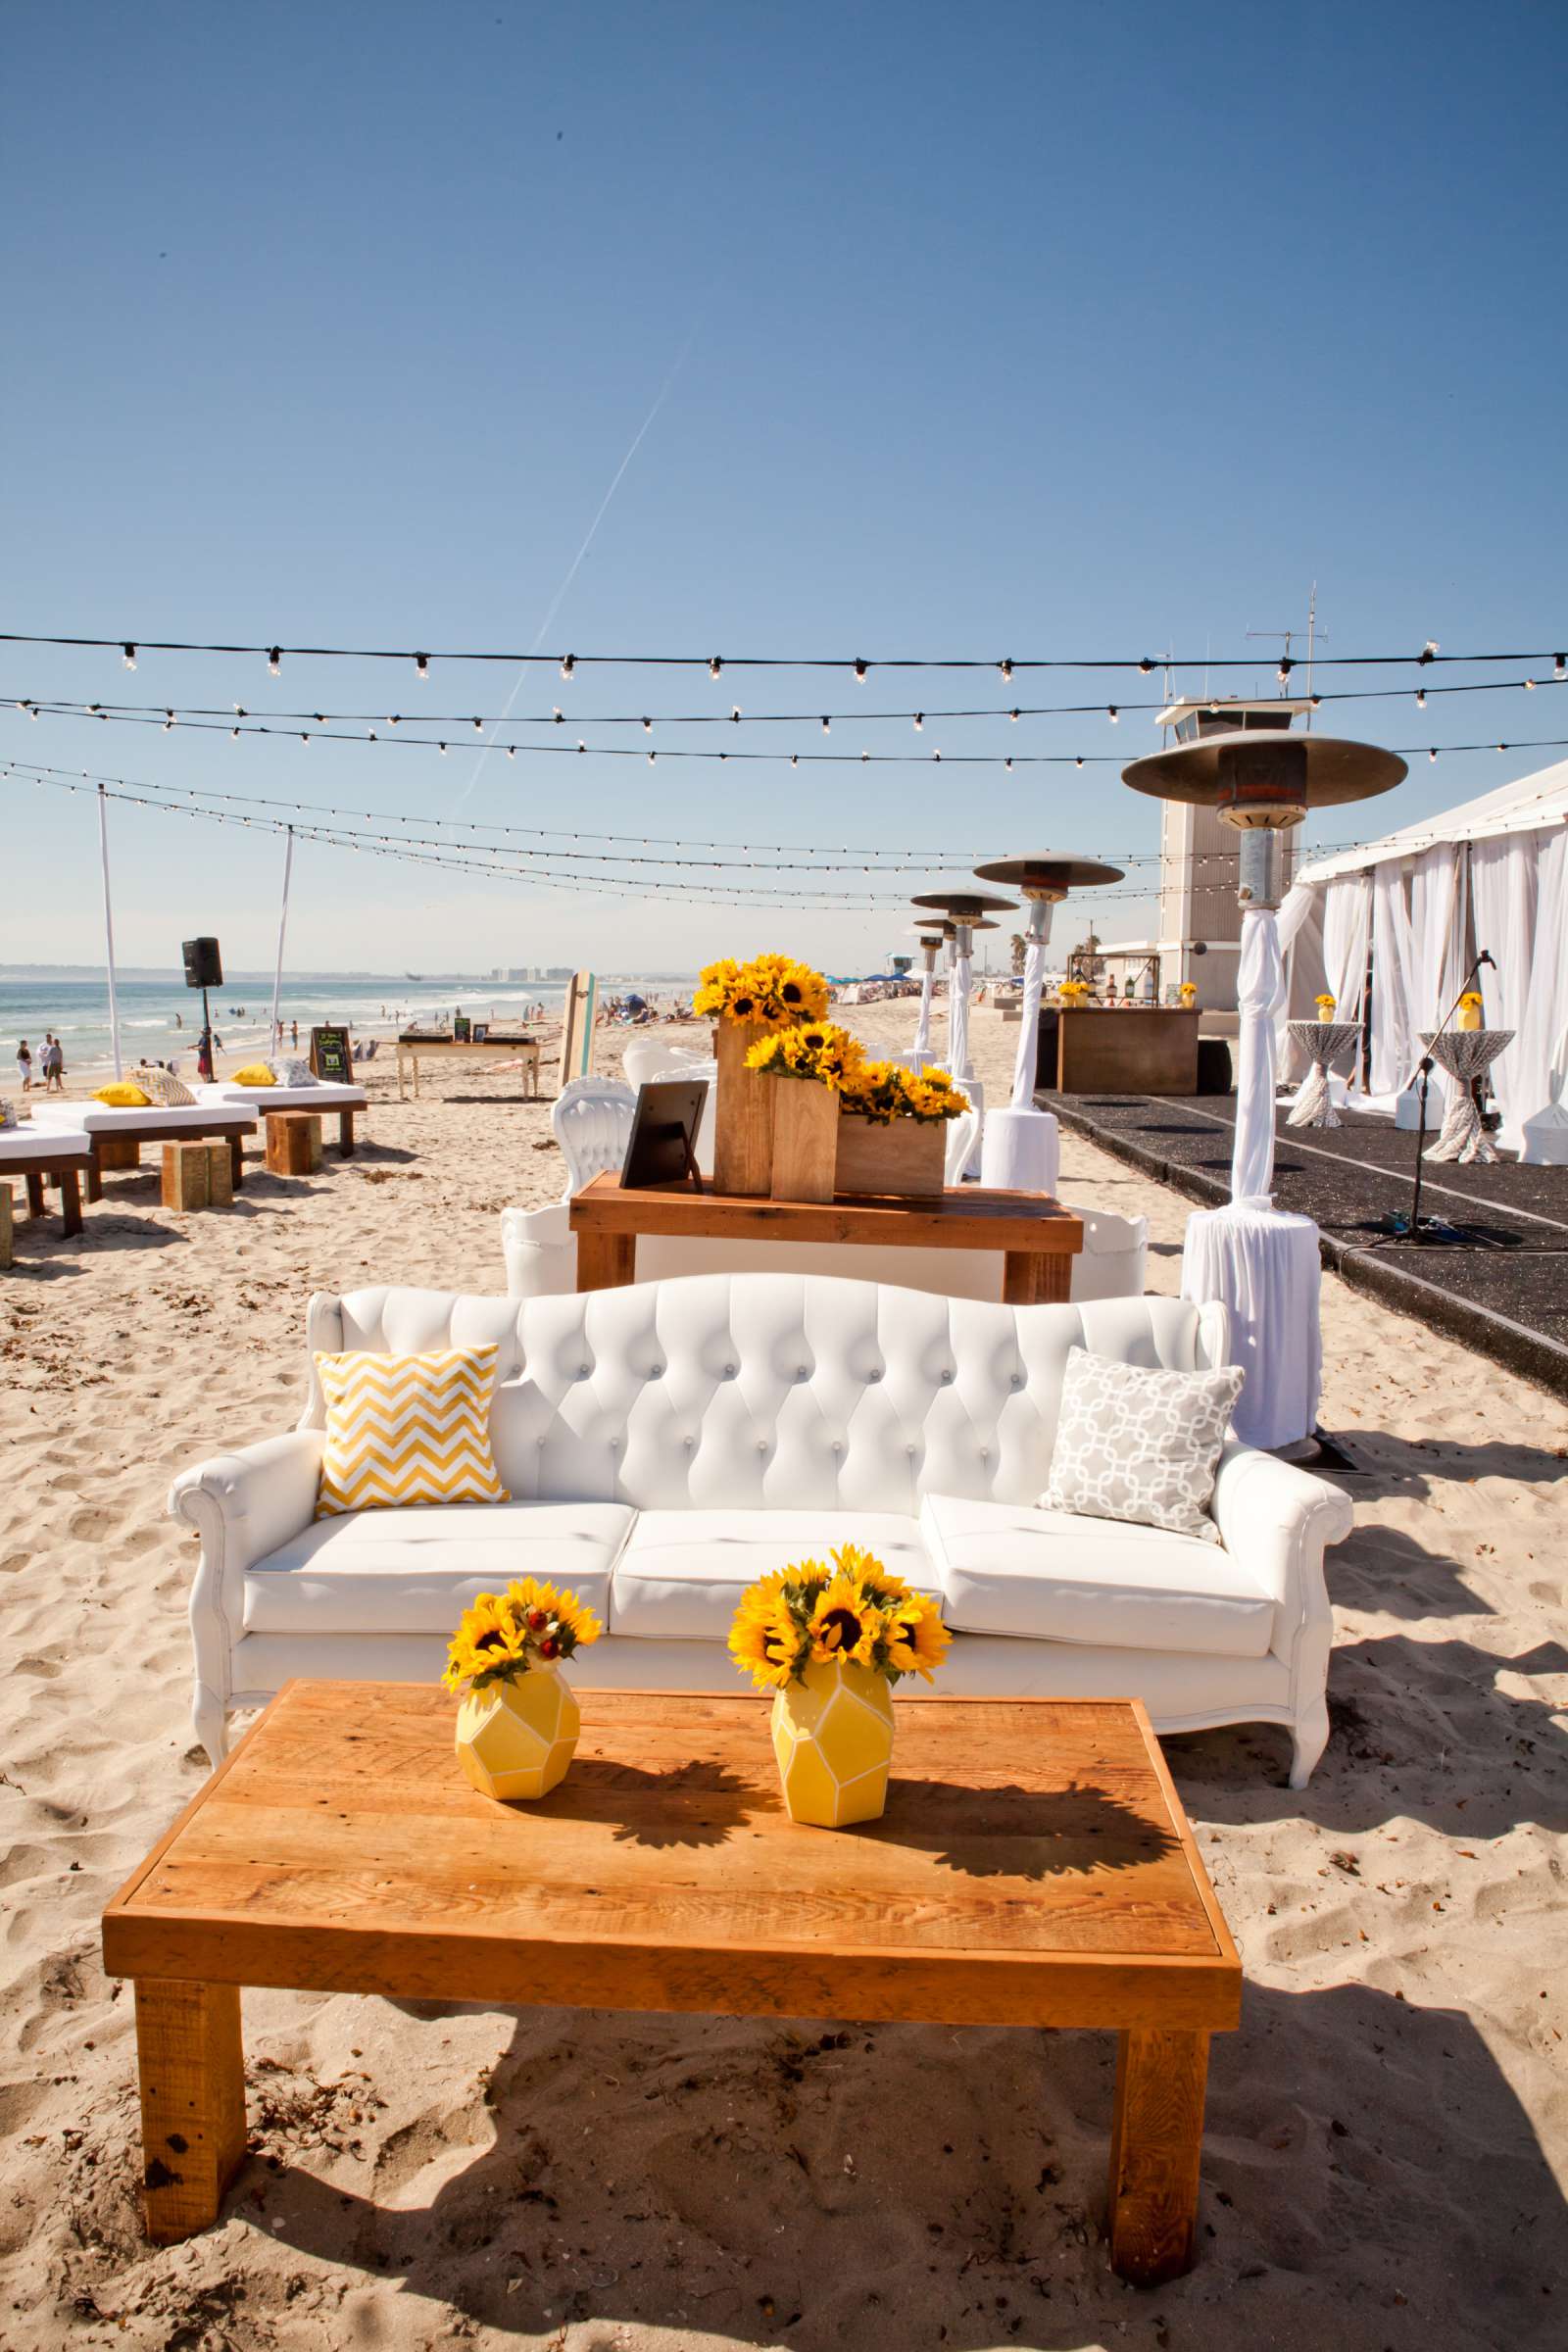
<point x="1034" y="329"/>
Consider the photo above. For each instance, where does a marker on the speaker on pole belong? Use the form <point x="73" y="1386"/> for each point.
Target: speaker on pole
<point x="203" y="964"/>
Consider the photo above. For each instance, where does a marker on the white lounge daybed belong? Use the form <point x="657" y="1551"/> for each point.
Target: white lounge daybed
<point x="138" y="1123"/>
<point x="324" y="1095"/>
<point x="52" y="1150"/>
<point x="666" y="1443"/>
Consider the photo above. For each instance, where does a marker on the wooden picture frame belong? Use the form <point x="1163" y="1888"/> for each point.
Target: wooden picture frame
<point x="661" y="1148"/>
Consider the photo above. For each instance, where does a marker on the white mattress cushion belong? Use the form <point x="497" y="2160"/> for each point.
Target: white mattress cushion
<point x="682" y="1573"/>
<point x="322" y="1095"/>
<point x="109" y="1118"/>
<point x="1049" y="1576"/>
<point x="416" y="1570"/>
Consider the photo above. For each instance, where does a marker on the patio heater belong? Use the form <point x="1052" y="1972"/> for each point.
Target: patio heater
<point x="931" y="944"/>
<point x="1021" y="1151"/>
<point x="965" y="909"/>
<point x="1258" y="1262"/>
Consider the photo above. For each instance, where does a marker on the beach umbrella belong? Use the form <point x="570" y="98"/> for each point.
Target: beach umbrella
<point x="1262" y="1265"/>
<point x="1023" y="1148"/>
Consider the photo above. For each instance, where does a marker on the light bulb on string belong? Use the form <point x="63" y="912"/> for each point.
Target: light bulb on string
<point x="1146" y="665"/>
<point x="1420" y="698"/>
<point x="511" y="751"/>
<point x="128" y="655"/>
<point x="919" y="720"/>
<point x="714" y="665"/>
<point x="569" y="664"/>
<point x="652" y="757"/>
<point x="1559" y="665"/>
<point x="735" y="715"/>
<point x="1282" y="673"/>
<point x="1013" y="716"/>
<point x="274" y="660"/>
<point x="441" y="749"/>
<point x="827" y="726"/>
<point x="1113" y="714"/>
<point x="421" y="668"/>
<point x="648" y="726"/>
<point x="1429" y="652"/>
<point x="1432" y="755"/>
<point x="558" y="715"/>
<point x="1005" y="668"/>
<point x="859" y="672"/>
<point x="478" y="726"/>
<point x="1529" y="685"/>
<point x="1078" y="762"/>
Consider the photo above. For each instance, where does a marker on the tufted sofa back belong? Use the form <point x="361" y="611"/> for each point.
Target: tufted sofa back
<point x="758" y="1391"/>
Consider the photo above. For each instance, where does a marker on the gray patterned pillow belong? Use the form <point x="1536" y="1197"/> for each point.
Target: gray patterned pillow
<point x="1140" y="1445"/>
<point x="162" y="1087"/>
<point x="290" y="1072"/>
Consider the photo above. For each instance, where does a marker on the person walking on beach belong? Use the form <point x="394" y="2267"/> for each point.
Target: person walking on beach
<point x="25" y="1065"/>
<point x="54" y="1064"/>
<point x="204" y="1055"/>
<point x="294" y="1029"/>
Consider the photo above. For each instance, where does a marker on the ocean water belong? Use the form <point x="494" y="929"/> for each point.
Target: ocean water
<point x="161" y="1019"/>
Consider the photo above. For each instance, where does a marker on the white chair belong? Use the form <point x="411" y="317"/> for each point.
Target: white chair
<point x="591" y="1121"/>
<point x="657" y="1057"/>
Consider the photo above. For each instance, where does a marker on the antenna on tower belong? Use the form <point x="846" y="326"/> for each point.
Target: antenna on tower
<point x="1286" y="636"/>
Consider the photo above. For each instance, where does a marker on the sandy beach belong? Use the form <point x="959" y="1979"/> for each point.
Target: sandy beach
<point x="1387" y="2135"/>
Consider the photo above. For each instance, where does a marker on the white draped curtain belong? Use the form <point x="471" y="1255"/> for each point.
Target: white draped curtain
<point x="1347" y="932"/>
<point x="1538" y="1055"/>
<point x="1392" y="1028"/>
<point x="1437" y="948"/>
<point x="1503" y="877"/>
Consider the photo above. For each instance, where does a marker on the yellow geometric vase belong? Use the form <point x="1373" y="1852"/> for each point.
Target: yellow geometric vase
<point x="833" y="1738"/>
<point x="515" y="1739"/>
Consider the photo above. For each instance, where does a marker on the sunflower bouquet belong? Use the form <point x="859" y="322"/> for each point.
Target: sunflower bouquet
<point x="1074" y="991"/>
<point x="851" y="1611"/>
<point x="883" y="1090"/>
<point x="507" y="1633"/>
<point x="814" y="1049"/>
<point x="775" y="990"/>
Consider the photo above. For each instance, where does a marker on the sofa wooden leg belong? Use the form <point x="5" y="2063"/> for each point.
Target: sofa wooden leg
<point x="1309" y="1741"/>
<point x="210" y="1723"/>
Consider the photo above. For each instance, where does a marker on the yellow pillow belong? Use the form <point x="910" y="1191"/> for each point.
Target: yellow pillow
<point x="122" y="1094"/>
<point x="407" y="1429"/>
<point x="255" y="1074"/>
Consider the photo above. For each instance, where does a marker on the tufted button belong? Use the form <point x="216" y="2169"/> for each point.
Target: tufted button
<point x="761" y="1444"/>
<point x="802" y="1373"/>
<point x="653" y="1371"/>
<point x="688" y="1442"/>
<point x="583" y="1371"/>
<point x="945" y="1377"/>
<point x="870" y="1376"/>
<point x="729" y="1371"/>
<point x="1016" y="1382"/>
<point x="838" y="1445"/>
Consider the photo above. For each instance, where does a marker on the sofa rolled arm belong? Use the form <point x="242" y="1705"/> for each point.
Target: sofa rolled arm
<point x="243" y="1506"/>
<point x="1280" y="1520"/>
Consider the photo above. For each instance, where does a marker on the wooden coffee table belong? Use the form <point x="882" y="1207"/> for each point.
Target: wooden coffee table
<point x="1033" y="1868"/>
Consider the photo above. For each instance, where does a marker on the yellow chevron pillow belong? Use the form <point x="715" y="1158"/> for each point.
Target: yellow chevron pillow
<point x="407" y="1429"/>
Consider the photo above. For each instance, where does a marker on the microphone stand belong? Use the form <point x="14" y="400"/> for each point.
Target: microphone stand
<point x="1426" y="1067"/>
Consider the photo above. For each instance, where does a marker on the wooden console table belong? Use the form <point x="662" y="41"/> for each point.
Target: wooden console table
<point x="411" y="1051"/>
<point x="1034" y="1868"/>
<point x="1037" y="1236"/>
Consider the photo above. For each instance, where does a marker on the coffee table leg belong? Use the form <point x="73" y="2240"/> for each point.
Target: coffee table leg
<point x="345" y="1134"/>
<point x="192" y="2073"/>
<point x="1155" y="2148"/>
<point x="605" y="1260"/>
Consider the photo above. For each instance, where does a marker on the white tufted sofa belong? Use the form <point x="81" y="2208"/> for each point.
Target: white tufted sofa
<point x="666" y="1443"/>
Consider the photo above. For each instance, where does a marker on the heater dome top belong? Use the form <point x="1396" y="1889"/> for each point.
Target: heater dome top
<point x="1319" y="770"/>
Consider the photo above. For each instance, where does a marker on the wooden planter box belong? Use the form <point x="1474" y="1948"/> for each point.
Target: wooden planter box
<point x="743" y="1114"/>
<point x="806" y="1138"/>
<point x="903" y="1159"/>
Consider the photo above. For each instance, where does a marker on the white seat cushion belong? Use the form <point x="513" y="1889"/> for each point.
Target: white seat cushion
<point x="1047" y="1575"/>
<point x="416" y="1569"/>
<point x="682" y="1573"/>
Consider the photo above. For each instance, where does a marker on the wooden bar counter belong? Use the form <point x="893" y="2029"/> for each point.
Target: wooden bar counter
<point x="1095" y="1050"/>
<point x="1037" y="1236"/>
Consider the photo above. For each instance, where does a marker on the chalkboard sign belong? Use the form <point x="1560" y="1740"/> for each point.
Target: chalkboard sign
<point x="330" y="1058"/>
<point x="460" y="1027"/>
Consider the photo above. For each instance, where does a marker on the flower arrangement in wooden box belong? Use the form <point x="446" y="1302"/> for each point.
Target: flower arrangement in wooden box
<point x="773" y="991"/>
<point x="814" y="1049"/>
<point x="883" y="1090"/>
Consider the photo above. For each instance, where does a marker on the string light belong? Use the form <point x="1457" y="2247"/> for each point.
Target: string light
<point x="827" y="726"/>
<point x="1429" y="652"/>
<point x="1146" y="665"/>
<point x="557" y="714"/>
<point x="128" y="655"/>
<point x="1559" y="665"/>
<point x="1005" y="668"/>
<point x="1113" y="714"/>
<point x="735" y="715"/>
<point x="859" y="669"/>
<point x="648" y="726"/>
<point x="919" y="720"/>
<point x="1432" y="755"/>
<point x="421" y="668"/>
<point x="1282" y="673"/>
<point x="714" y="665"/>
<point x="1420" y="698"/>
<point x="1530" y="685"/>
<point x="569" y="666"/>
<point x="168" y="722"/>
<point x="274" y="660"/>
<point x="478" y="726"/>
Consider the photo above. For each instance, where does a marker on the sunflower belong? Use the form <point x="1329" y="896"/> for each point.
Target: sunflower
<point x="844" y="1625"/>
<point x="917" y="1638"/>
<point x="764" y="1640"/>
<point x="488" y="1640"/>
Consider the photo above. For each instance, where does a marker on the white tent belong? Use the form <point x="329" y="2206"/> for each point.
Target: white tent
<point x="1417" y="906"/>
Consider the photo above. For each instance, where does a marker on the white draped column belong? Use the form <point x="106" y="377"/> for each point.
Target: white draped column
<point x="1260" y="1263"/>
<point x="282" y="927"/>
<point x="920" y="1050"/>
<point x="1020" y="1150"/>
<point x="109" y="931"/>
